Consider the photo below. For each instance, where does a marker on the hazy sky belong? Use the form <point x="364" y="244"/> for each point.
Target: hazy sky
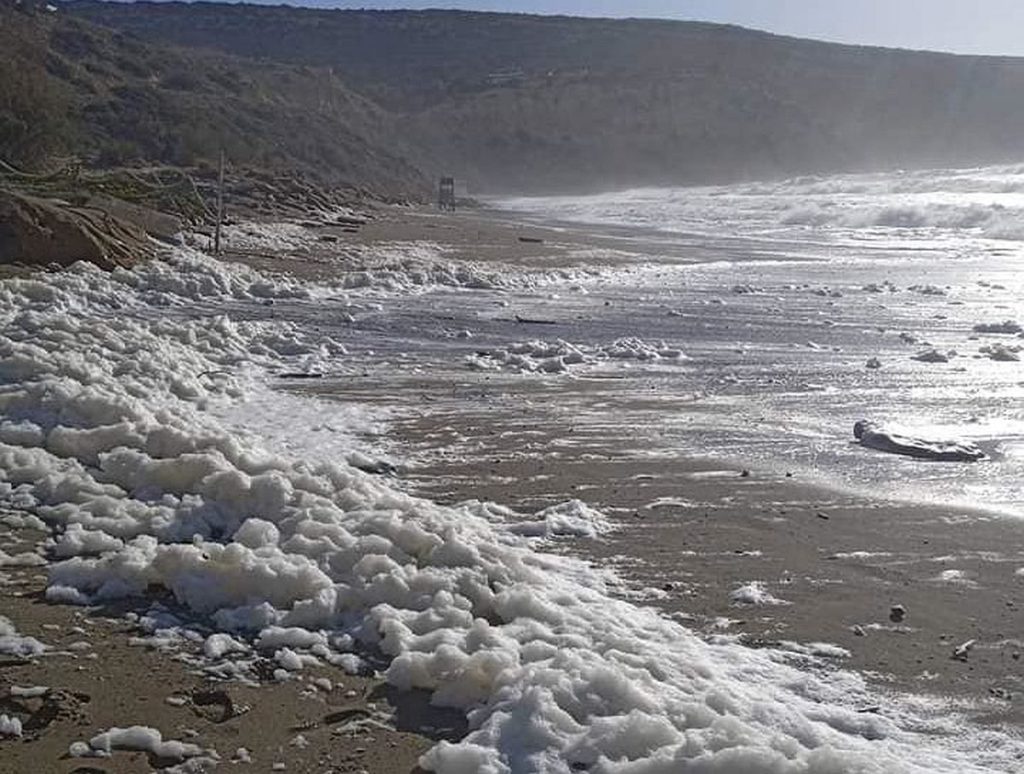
<point x="978" y="27"/>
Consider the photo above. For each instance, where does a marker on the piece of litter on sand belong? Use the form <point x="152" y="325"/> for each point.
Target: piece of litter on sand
<point x="534" y="321"/>
<point x="960" y="651"/>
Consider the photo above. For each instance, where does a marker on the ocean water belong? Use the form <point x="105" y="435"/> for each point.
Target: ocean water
<point x="149" y="425"/>
<point x="780" y="293"/>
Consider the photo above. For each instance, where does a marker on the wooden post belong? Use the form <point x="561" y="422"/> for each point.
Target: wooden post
<point x="220" y="205"/>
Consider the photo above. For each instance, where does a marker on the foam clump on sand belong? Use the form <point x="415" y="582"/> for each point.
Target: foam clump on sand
<point x="134" y="738"/>
<point x="534" y="356"/>
<point x="270" y="236"/>
<point x="10" y="726"/>
<point x="120" y="445"/>
<point x="634" y="348"/>
<point x="14" y="644"/>
<point x="754" y="593"/>
<point x="557" y="357"/>
<point x="417" y="266"/>
<point x="569" y="519"/>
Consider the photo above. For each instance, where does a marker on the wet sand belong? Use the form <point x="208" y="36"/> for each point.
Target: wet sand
<point x="476" y="235"/>
<point x="693" y="530"/>
<point x="690" y="532"/>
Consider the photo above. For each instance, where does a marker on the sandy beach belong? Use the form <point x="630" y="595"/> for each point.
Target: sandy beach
<point x="733" y="551"/>
<point x="691" y="530"/>
<point x="103" y="667"/>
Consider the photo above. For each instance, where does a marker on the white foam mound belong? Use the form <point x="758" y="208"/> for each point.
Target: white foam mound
<point x="10" y="726"/>
<point x="754" y="593"/>
<point x="569" y="519"/>
<point x="556" y="357"/>
<point x="14" y="644"/>
<point x="138" y="738"/>
<point x="110" y="433"/>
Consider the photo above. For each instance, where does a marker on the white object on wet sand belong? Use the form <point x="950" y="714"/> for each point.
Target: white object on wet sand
<point x="556" y="357"/>
<point x="14" y="644"/>
<point x="754" y="593"/>
<point x="136" y="738"/>
<point x="569" y="519"/>
<point x="961" y="651"/>
<point x="10" y="725"/>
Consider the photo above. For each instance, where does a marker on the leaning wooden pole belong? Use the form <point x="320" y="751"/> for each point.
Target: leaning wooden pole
<point x="220" y="205"/>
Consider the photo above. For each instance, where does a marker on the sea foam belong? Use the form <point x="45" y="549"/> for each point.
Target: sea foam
<point x="119" y="428"/>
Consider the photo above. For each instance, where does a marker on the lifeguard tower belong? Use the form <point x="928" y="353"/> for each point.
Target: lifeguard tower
<point x="446" y="194"/>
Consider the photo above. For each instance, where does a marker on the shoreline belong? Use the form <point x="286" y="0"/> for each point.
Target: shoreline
<point x="823" y="547"/>
<point x="690" y="532"/>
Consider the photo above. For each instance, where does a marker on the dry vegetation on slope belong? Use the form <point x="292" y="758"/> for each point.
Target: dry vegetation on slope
<point x="516" y="102"/>
<point x="69" y="86"/>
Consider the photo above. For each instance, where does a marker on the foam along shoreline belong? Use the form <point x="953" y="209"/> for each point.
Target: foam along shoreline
<point x="112" y="438"/>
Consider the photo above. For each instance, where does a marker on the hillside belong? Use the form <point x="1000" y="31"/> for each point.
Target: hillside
<point x="531" y="103"/>
<point x="69" y="86"/>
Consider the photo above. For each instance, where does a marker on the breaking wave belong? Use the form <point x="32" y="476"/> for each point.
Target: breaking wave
<point x="986" y="202"/>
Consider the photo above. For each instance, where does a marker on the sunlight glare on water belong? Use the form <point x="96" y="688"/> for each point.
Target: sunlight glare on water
<point x="823" y="274"/>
